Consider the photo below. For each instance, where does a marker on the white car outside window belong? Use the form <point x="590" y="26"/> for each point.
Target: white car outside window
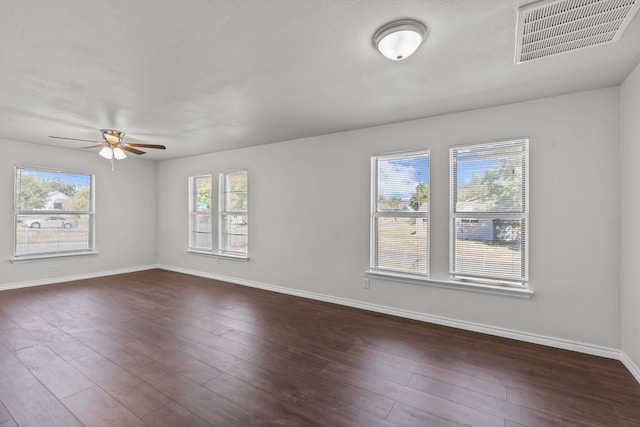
<point x="50" y="222"/>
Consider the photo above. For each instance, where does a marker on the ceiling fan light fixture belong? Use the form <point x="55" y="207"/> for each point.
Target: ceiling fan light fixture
<point x="398" y="40"/>
<point x="112" y="136"/>
<point x="107" y="153"/>
<point x="119" y="153"/>
<point x="112" y="148"/>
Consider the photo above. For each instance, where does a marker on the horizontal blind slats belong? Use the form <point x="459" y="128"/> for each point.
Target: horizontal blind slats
<point x="200" y="204"/>
<point x="400" y="212"/>
<point x="489" y="180"/>
<point x="234" y="206"/>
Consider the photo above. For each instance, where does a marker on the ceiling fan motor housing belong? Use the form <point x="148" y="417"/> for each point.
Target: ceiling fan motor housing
<point x="112" y="137"/>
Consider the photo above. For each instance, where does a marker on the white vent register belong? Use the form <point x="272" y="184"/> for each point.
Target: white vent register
<point x="551" y="27"/>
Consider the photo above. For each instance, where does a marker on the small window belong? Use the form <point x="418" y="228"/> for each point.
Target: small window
<point x="233" y="217"/>
<point x="400" y="214"/>
<point x="200" y="229"/>
<point x="54" y="213"/>
<point x="489" y="212"/>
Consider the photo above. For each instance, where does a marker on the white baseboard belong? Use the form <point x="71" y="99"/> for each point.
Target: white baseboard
<point x="632" y="367"/>
<point x="61" y="279"/>
<point x="607" y="352"/>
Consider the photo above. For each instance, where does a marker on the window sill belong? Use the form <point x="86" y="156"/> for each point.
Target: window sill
<point x="451" y="284"/>
<point x="44" y="257"/>
<point x="223" y="255"/>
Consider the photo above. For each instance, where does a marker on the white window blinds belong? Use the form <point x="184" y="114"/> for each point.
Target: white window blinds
<point x="200" y="230"/>
<point x="54" y="213"/>
<point x="234" y="217"/>
<point x="489" y="212"/>
<point x="400" y="213"/>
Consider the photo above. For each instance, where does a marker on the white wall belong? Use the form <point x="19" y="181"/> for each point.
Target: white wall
<point x="630" y="220"/>
<point x="125" y="212"/>
<point x="309" y="215"/>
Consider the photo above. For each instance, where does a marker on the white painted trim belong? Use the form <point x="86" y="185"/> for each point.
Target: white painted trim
<point x="220" y="255"/>
<point x="61" y="279"/>
<point x="595" y="350"/>
<point x="632" y="367"/>
<point x="451" y="284"/>
<point x="48" y="256"/>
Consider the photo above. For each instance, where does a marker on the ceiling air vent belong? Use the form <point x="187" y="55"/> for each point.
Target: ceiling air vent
<point x="550" y="27"/>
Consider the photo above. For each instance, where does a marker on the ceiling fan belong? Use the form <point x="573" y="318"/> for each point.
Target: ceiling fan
<point x="113" y="148"/>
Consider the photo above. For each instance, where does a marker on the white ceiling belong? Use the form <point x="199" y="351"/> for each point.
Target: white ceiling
<point x="203" y="75"/>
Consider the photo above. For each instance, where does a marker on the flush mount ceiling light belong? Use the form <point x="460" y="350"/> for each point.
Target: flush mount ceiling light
<point x="398" y="40"/>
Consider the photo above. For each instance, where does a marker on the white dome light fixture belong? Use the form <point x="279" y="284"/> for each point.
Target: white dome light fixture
<point x="398" y="40"/>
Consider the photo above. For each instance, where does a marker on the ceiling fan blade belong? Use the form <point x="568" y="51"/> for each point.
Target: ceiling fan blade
<point x="74" y="139"/>
<point x="160" y="147"/>
<point x="132" y="150"/>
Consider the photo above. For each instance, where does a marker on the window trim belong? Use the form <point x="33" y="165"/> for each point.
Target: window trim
<point x="91" y="241"/>
<point x="482" y="281"/>
<point x="222" y="212"/>
<point x="374" y="270"/>
<point x="32" y="258"/>
<point x="219" y="255"/>
<point x="511" y="291"/>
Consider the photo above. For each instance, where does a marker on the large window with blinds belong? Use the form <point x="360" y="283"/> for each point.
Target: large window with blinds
<point x="400" y="214"/>
<point x="200" y="201"/>
<point x="54" y="213"/>
<point x="489" y="212"/>
<point x="234" y="213"/>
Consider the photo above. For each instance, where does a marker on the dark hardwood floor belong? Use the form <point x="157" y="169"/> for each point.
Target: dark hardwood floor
<point x="159" y="348"/>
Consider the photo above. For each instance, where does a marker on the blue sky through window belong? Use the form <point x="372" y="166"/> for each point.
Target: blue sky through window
<point x="77" y="180"/>
<point x="399" y="177"/>
<point x="470" y="165"/>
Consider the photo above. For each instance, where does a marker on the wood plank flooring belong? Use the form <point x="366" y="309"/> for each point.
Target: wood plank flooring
<point x="158" y="348"/>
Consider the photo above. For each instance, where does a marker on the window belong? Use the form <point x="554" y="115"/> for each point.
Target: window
<point x="400" y="214"/>
<point x="489" y="212"/>
<point x="200" y="231"/>
<point x="54" y="213"/>
<point x="233" y="217"/>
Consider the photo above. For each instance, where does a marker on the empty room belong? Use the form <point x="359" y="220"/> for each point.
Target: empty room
<point x="319" y="213"/>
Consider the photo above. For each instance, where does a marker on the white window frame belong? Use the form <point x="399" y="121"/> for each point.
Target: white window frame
<point x="224" y="211"/>
<point x="374" y="268"/>
<point x="90" y="250"/>
<point x="194" y="213"/>
<point x="523" y="215"/>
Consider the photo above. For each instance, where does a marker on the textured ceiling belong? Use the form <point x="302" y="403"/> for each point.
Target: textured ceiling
<point x="204" y="75"/>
